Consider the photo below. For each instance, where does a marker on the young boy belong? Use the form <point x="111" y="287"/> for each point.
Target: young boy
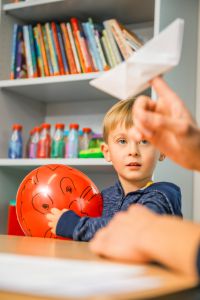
<point x="134" y="163"/>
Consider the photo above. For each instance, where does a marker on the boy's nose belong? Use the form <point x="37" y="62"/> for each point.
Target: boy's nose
<point x="133" y="149"/>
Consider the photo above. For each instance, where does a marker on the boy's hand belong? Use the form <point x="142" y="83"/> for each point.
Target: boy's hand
<point x="53" y="218"/>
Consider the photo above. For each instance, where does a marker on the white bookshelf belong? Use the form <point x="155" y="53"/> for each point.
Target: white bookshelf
<point x="84" y="164"/>
<point x="44" y="10"/>
<point x="56" y="88"/>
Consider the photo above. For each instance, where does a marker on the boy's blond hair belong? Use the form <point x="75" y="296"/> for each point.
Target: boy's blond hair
<point x="120" y="113"/>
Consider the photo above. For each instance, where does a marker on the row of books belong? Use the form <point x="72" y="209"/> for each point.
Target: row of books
<point x="72" y="47"/>
<point x="18" y="1"/>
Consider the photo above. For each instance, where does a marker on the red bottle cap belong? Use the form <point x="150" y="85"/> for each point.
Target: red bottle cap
<point x="32" y="131"/>
<point x="46" y="125"/>
<point x="87" y="130"/>
<point x="17" y="127"/>
<point x="74" y="126"/>
<point x="60" y="126"/>
<point x="37" y="129"/>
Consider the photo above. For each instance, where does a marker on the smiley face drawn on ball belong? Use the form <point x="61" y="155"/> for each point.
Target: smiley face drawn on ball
<point x="42" y="203"/>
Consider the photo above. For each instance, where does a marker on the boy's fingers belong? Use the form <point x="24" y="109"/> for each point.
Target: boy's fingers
<point x="50" y="224"/>
<point x="54" y="210"/>
<point x="49" y="216"/>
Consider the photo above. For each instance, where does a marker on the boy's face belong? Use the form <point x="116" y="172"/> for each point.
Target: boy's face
<point x="134" y="162"/>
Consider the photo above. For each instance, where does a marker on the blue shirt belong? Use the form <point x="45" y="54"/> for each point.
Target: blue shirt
<point x="161" y="197"/>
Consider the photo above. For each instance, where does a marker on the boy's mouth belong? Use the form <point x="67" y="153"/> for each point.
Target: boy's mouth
<point x="134" y="164"/>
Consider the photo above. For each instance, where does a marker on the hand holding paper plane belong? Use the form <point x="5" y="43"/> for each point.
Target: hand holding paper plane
<point x="156" y="57"/>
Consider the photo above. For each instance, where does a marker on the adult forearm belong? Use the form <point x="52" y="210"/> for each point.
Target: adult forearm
<point x="173" y="243"/>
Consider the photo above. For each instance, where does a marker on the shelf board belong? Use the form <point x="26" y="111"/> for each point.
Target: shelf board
<point x="84" y="164"/>
<point x="126" y="11"/>
<point x="56" y="88"/>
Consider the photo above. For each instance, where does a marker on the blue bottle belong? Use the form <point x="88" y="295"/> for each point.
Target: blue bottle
<point x="73" y="140"/>
<point x="15" y="149"/>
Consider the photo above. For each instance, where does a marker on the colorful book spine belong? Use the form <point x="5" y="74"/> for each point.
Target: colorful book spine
<point x="46" y="45"/>
<point x="62" y="48"/>
<point x="14" y="50"/>
<point x="81" y="47"/>
<point x="73" y="45"/>
<point x="121" y="42"/>
<point x="100" y="50"/>
<point x="52" y="50"/>
<point x="57" y="48"/>
<point x="86" y="54"/>
<point x="38" y="53"/>
<point x="43" y="50"/>
<point x="131" y="38"/>
<point x="111" y="55"/>
<point x="68" y="49"/>
<point x="32" y="47"/>
<point x="117" y="56"/>
<point x="91" y="32"/>
<point x="21" y="69"/>
<point x="28" y="51"/>
<point x="92" y="46"/>
<point x="106" y="51"/>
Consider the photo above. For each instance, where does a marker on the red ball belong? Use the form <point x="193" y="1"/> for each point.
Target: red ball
<point x="57" y="186"/>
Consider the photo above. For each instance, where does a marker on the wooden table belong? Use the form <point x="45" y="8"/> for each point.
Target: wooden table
<point x="78" y="250"/>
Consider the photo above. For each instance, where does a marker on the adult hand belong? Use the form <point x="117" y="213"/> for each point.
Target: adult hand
<point x="168" y="125"/>
<point x="141" y="236"/>
<point x="122" y="238"/>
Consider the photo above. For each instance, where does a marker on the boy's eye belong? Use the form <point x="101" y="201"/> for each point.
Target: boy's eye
<point x="122" y="141"/>
<point x="143" y="142"/>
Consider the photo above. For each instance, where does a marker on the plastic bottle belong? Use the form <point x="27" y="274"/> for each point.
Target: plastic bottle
<point x="96" y="141"/>
<point x="28" y="142"/>
<point x="73" y="140"/>
<point x="44" y="144"/>
<point x="33" y="144"/>
<point x="66" y="135"/>
<point x="58" y="145"/>
<point x="15" y="149"/>
<point x="84" y="143"/>
<point x="80" y="135"/>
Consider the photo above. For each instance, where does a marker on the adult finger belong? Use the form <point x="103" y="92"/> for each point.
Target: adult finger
<point x="163" y="90"/>
<point x="150" y="122"/>
<point x="136" y="134"/>
<point x="98" y="242"/>
<point x="143" y="103"/>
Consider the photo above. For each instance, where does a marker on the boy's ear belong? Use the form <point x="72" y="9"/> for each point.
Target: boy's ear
<point x="162" y="157"/>
<point x="106" y="152"/>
